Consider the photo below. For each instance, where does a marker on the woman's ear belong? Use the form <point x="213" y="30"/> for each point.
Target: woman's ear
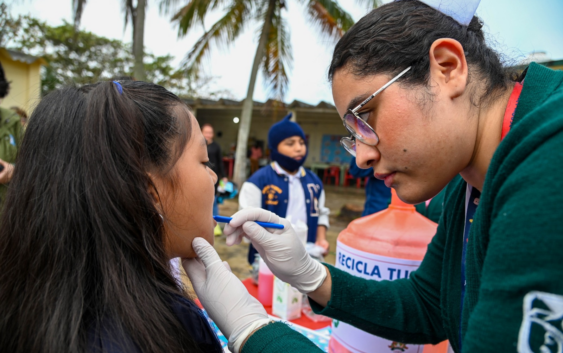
<point x="448" y="67"/>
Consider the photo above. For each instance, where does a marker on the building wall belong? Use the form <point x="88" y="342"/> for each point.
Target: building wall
<point x="317" y="125"/>
<point x="25" y="84"/>
<point x="222" y="121"/>
<point x="314" y="124"/>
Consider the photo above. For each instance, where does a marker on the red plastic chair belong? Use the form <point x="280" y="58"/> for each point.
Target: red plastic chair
<point x="332" y="172"/>
<point x="228" y="164"/>
<point x="348" y="177"/>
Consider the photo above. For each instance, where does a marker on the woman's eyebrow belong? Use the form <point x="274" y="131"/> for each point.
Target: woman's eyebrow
<point x="203" y="141"/>
<point x="356" y="101"/>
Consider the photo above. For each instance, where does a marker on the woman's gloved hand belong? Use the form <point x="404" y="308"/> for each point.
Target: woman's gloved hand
<point x="281" y="249"/>
<point x="222" y="294"/>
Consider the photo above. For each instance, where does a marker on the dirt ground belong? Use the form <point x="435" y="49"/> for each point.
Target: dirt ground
<point x="336" y="197"/>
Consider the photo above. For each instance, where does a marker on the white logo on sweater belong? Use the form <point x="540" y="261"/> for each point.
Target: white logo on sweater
<point x="543" y="314"/>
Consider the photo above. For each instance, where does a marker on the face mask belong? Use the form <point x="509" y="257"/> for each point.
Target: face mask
<point x="286" y="162"/>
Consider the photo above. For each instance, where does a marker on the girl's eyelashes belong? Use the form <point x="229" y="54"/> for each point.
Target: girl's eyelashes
<point x="208" y="164"/>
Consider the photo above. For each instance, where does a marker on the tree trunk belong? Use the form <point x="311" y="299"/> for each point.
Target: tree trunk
<point x="246" y="117"/>
<point x="139" y="40"/>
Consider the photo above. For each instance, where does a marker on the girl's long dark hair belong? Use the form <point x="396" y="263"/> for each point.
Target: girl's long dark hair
<point x="81" y="242"/>
<point x="4" y="84"/>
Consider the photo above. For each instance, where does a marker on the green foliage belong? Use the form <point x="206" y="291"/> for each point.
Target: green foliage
<point x="278" y="58"/>
<point x="77" y="58"/>
<point x="132" y="13"/>
<point x="82" y="57"/>
<point x="9" y="26"/>
<point x="74" y="58"/>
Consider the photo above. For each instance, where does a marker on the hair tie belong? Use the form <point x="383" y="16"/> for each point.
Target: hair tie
<point x="119" y="88"/>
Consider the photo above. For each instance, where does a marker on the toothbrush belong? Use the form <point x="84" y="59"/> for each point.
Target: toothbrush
<point x="222" y="219"/>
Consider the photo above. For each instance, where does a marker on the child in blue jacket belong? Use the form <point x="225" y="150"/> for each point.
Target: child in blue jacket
<point x="285" y="187"/>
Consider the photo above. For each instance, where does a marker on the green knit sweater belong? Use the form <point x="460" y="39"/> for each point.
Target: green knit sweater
<point x="514" y="269"/>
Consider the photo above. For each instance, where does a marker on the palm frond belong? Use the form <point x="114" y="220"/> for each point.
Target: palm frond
<point x="278" y="58"/>
<point x="129" y="12"/>
<point x="168" y="7"/>
<point x="77" y="10"/>
<point x="330" y="17"/>
<point x="223" y="32"/>
<point x="369" y="4"/>
<point x="192" y="13"/>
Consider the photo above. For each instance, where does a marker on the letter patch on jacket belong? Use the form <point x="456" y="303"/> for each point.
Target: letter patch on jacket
<point x="542" y="324"/>
<point x="313" y="190"/>
<point x="272" y="193"/>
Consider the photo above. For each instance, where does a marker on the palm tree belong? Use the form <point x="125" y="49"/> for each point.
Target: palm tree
<point x="273" y="53"/>
<point x="137" y="16"/>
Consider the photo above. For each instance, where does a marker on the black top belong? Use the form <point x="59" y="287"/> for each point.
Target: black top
<point x="108" y="339"/>
<point x="216" y="159"/>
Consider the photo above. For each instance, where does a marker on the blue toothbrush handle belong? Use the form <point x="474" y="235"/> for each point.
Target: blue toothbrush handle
<point x="224" y="219"/>
<point x="270" y="225"/>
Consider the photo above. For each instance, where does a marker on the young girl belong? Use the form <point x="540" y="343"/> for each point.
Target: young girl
<point x="111" y="183"/>
<point x="285" y="187"/>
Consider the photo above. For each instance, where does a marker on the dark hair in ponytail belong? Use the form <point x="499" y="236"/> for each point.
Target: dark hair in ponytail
<point x="4" y="84"/>
<point x="81" y="242"/>
<point x="399" y="34"/>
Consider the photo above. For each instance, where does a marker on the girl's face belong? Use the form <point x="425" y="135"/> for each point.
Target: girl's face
<point x="421" y="146"/>
<point x="293" y="147"/>
<point x="187" y="206"/>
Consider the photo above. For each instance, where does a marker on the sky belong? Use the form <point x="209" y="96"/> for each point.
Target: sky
<point x="513" y="27"/>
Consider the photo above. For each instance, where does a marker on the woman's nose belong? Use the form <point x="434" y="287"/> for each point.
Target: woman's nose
<point x="366" y="156"/>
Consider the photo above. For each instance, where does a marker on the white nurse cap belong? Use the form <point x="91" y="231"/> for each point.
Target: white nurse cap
<point x="460" y="10"/>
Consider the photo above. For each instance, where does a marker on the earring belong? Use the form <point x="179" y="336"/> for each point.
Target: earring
<point x="161" y="216"/>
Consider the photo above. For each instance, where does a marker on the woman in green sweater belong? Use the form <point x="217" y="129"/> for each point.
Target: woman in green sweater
<point x="492" y="278"/>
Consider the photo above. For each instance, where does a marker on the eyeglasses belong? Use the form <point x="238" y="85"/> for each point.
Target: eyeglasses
<point x="358" y="127"/>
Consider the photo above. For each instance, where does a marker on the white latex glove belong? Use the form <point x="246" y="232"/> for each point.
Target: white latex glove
<point x="222" y="294"/>
<point x="281" y="249"/>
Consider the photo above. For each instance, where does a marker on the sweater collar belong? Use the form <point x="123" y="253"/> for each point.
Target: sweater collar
<point x="538" y="87"/>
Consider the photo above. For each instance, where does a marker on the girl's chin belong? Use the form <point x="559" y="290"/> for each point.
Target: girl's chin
<point x="211" y="234"/>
